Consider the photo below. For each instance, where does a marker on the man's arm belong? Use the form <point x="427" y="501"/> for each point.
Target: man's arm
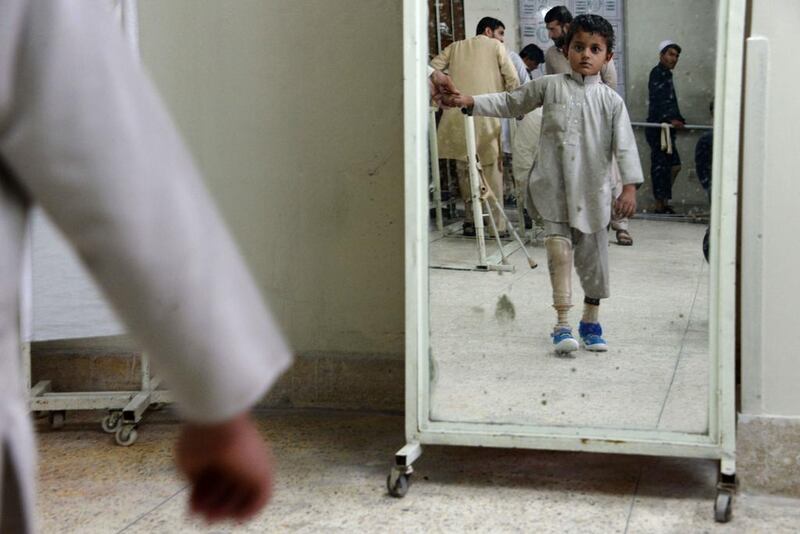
<point x="507" y="70"/>
<point x="88" y="138"/>
<point x="442" y="61"/>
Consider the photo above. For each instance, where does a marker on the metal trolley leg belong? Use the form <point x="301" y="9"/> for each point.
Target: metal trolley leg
<point x="726" y="489"/>
<point x="399" y="478"/>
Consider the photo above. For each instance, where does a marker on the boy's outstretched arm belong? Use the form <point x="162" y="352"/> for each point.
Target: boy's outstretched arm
<point x="516" y="103"/>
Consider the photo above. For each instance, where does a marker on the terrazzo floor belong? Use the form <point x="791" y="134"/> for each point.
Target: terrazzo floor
<point x="331" y="478"/>
<point x="493" y="360"/>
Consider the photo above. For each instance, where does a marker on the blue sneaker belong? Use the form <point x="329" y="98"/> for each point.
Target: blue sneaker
<point x="592" y="337"/>
<point x="563" y="340"/>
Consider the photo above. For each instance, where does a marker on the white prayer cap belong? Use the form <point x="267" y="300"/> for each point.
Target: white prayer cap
<point x="665" y="43"/>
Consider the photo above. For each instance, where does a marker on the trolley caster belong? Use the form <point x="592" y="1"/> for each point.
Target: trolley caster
<point x="126" y="435"/>
<point x="112" y="422"/>
<point x="398" y="482"/>
<point x="723" y="506"/>
<point x="57" y="419"/>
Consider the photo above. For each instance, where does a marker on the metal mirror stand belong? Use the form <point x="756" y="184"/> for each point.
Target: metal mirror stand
<point x="719" y="443"/>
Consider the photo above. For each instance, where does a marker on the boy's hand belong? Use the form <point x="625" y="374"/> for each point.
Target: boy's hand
<point x="229" y="467"/>
<point x="677" y="124"/>
<point x="625" y="204"/>
<point x="457" y="101"/>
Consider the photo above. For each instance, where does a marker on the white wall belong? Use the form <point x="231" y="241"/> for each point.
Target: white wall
<point x="692" y="24"/>
<point x="506" y="11"/>
<point x="294" y="112"/>
<point x="770" y="359"/>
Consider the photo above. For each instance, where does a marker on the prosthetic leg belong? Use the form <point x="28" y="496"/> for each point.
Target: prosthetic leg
<point x="559" y="263"/>
<point x="481" y="195"/>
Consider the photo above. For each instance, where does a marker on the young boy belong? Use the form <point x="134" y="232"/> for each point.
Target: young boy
<point x="585" y="123"/>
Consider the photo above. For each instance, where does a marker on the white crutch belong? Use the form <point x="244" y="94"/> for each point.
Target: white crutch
<point x="437" y="180"/>
<point x="480" y="192"/>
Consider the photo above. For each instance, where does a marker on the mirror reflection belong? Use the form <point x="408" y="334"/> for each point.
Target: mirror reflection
<point x="569" y="207"/>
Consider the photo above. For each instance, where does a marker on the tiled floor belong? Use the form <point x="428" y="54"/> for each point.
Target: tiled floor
<point x="493" y="360"/>
<point x="332" y="471"/>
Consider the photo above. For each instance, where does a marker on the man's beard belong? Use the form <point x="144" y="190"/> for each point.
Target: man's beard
<point x="559" y="41"/>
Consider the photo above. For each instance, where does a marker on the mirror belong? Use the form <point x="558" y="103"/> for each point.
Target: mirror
<point x="492" y="358"/>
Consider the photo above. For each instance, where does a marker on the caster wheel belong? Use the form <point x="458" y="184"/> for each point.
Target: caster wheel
<point x="126" y="436"/>
<point x="723" y="507"/>
<point x="400" y="486"/>
<point x="111" y="422"/>
<point x="57" y="419"/>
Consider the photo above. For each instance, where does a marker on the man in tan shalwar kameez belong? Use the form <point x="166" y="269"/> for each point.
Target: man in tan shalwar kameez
<point x="476" y="65"/>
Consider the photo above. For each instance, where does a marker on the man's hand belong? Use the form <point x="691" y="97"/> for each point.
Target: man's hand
<point x="625" y="205"/>
<point x="440" y="84"/>
<point x="677" y="124"/>
<point x="457" y="101"/>
<point x="229" y="467"/>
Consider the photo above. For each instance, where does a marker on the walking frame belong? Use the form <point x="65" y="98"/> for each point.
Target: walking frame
<point x="482" y="200"/>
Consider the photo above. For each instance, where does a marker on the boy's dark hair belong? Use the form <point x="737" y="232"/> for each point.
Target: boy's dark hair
<point x="533" y="52"/>
<point x="488" y="22"/>
<point x="591" y="24"/>
<point x="558" y="14"/>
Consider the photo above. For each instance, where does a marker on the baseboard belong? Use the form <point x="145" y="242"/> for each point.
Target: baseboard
<point x="768" y="454"/>
<point x="316" y="380"/>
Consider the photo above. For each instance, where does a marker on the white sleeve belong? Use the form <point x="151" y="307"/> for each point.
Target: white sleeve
<point x="520" y="101"/>
<point x="87" y="136"/>
<point x="624" y="146"/>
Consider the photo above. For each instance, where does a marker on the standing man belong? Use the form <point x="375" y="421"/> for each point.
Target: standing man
<point x="665" y="163"/>
<point x="476" y="65"/>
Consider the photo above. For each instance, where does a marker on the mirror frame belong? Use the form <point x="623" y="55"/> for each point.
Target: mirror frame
<point x="720" y="440"/>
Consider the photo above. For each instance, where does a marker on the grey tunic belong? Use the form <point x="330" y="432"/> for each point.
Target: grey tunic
<point x="584" y="124"/>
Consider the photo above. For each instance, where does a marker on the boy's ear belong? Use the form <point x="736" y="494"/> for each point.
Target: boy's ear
<point x="609" y="56"/>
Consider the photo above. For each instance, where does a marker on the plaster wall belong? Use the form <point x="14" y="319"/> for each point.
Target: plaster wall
<point x="294" y="113"/>
<point x="769" y="273"/>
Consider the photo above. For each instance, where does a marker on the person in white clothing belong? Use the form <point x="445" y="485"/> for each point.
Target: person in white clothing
<point x="585" y="124"/>
<point x="84" y="134"/>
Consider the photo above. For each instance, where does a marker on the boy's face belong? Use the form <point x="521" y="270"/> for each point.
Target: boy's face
<point x="588" y="53"/>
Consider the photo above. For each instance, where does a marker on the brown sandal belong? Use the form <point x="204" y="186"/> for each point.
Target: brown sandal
<point x="624" y="238"/>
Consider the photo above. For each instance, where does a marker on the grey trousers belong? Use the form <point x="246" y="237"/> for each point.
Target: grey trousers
<point x="12" y="515"/>
<point x="590" y="256"/>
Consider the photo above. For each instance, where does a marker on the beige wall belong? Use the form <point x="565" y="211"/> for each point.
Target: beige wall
<point x="294" y="113"/>
<point x="772" y="383"/>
